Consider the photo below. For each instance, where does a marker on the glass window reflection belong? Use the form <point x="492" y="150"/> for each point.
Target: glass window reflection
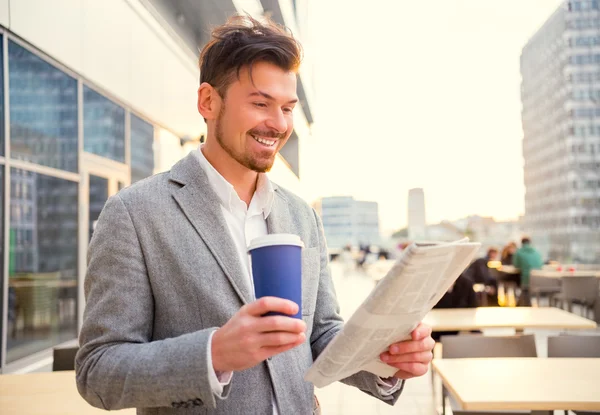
<point x="42" y="263"/>
<point x="142" y="153"/>
<point x="98" y="197"/>
<point x="43" y="111"/>
<point x="103" y="126"/>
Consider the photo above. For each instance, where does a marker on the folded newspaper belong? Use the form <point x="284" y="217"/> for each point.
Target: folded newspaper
<point x="414" y="284"/>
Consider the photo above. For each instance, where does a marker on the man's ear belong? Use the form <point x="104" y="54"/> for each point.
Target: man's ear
<point x="209" y="101"/>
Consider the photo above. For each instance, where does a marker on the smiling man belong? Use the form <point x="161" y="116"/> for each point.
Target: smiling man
<point x="171" y="324"/>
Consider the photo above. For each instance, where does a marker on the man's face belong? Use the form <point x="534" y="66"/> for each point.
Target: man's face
<point x="255" y="119"/>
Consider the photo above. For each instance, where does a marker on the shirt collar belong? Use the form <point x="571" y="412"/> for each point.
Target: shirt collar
<point x="263" y="196"/>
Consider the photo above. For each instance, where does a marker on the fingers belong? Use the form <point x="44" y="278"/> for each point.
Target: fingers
<point x="410" y="370"/>
<point x="273" y="350"/>
<point x="267" y="304"/>
<point x="412" y="346"/>
<point x="421" y="332"/>
<point x="280" y="338"/>
<point x="280" y="323"/>
<point x="417" y="357"/>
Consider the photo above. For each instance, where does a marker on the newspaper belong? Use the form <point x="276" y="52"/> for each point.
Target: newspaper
<point x="394" y="308"/>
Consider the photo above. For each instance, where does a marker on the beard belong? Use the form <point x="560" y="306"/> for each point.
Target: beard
<point x="254" y="162"/>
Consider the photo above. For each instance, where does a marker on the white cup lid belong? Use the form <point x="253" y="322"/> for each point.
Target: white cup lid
<point x="275" y="239"/>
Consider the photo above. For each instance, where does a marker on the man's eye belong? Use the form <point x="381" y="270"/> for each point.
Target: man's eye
<point x="288" y="110"/>
<point x="260" y="105"/>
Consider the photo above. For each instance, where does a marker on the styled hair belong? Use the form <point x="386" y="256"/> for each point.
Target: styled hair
<point x="525" y="241"/>
<point x="240" y="43"/>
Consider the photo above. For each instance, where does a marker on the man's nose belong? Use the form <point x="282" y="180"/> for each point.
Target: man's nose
<point x="277" y="121"/>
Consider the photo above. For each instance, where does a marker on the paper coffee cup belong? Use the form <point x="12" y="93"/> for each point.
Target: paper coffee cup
<point x="277" y="267"/>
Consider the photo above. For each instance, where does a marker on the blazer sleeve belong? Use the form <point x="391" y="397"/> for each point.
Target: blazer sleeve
<point x="328" y="322"/>
<point x="118" y="365"/>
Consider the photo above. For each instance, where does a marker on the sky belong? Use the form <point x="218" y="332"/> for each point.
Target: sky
<point x="420" y="94"/>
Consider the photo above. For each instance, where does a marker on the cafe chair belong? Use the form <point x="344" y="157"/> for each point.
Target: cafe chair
<point x="581" y="290"/>
<point x="479" y="346"/>
<point x="64" y="358"/>
<point x="574" y="346"/>
<point x="544" y="287"/>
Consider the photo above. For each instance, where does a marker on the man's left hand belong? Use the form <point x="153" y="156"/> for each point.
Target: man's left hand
<point x="411" y="357"/>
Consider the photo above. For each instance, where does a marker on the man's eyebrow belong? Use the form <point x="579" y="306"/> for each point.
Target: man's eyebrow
<point x="269" y="97"/>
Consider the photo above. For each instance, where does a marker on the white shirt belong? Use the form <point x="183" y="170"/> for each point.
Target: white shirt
<point x="246" y="223"/>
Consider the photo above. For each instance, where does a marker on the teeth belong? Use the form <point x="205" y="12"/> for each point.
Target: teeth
<point x="263" y="141"/>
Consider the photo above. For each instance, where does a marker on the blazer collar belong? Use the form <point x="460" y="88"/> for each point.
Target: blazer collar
<point x="202" y="207"/>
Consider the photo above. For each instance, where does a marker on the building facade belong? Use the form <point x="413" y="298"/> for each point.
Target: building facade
<point x="349" y="222"/>
<point x="417" y="229"/>
<point x="560" y="93"/>
<point x="88" y="107"/>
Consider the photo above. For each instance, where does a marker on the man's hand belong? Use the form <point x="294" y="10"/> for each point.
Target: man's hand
<point x="411" y="357"/>
<point x="248" y="339"/>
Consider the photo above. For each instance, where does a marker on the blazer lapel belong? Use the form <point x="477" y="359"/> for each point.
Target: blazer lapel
<point x="202" y="208"/>
<point x="280" y="219"/>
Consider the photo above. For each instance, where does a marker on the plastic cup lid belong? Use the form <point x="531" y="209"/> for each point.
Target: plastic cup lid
<point x="275" y="239"/>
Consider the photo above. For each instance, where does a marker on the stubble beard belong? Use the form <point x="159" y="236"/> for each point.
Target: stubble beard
<point x="258" y="165"/>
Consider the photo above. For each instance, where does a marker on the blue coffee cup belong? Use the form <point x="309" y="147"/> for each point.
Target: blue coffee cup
<point x="277" y="268"/>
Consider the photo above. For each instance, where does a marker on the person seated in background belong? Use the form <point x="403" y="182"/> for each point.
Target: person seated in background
<point x="507" y="253"/>
<point x="526" y="259"/>
<point x="459" y="295"/>
<point x="479" y="273"/>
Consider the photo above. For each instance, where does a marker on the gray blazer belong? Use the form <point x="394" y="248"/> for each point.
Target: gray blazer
<point x="163" y="273"/>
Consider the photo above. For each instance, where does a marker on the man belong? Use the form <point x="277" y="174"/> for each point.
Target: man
<point x="171" y="320"/>
<point x="479" y="271"/>
<point x="459" y="295"/>
<point x="526" y="259"/>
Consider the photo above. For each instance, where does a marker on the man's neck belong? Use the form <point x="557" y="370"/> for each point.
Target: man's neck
<point x="240" y="177"/>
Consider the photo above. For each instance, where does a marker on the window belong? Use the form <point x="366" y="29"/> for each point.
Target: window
<point x="142" y="153"/>
<point x="103" y="126"/>
<point x="43" y="111"/>
<point x="42" y="306"/>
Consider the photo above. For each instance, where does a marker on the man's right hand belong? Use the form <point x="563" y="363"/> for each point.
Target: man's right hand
<point x="248" y="338"/>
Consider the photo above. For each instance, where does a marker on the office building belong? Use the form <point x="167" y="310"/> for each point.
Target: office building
<point x="347" y="221"/>
<point x="417" y="229"/>
<point x="560" y="93"/>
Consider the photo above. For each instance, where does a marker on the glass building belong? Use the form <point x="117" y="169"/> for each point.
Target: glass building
<point x="85" y="112"/>
<point x="560" y="93"/>
<point x="347" y="221"/>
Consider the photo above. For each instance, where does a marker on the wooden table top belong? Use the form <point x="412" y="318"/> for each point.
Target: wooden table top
<point x="563" y="274"/>
<point x="506" y="384"/>
<point x="53" y="393"/>
<point x="463" y="319"/>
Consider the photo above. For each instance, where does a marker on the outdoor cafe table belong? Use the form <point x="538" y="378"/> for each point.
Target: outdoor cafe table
<point x="537" y="384"/>
<point x="565" y="274"/>
<point x="53" y="393"/>
<point x="519" y="318"/>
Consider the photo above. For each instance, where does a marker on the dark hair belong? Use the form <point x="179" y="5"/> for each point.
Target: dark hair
<point x="492" y="251"/>
<point x="241" y="42"/>
<point x="525" y="241"/>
